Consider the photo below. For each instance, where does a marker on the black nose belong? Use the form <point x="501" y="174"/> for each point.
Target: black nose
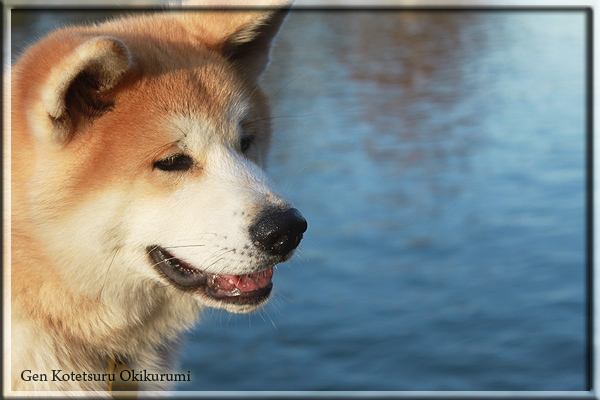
<point x="278" y="232"/>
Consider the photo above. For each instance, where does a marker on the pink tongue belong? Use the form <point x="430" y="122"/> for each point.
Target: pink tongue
<point x="246" y="283"/>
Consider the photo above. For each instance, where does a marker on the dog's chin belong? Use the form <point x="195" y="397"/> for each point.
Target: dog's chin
<point x="235" y="293"/>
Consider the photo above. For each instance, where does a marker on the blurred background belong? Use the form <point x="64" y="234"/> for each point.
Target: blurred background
<point x="439" y="158"/>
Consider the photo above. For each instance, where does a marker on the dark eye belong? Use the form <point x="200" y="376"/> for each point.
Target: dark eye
<point x="176" y="162"/>
<point x="246" y="143"/>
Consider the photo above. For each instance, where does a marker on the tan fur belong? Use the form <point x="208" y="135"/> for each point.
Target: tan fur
<point x="68" y="157"/>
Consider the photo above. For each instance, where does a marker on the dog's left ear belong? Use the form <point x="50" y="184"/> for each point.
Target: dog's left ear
<point x="244" y="37"/>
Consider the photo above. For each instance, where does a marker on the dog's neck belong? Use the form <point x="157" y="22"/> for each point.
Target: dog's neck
<point x="48" y="317"/>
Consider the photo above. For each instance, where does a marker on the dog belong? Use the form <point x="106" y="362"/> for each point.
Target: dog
<point x="138" y="194"/>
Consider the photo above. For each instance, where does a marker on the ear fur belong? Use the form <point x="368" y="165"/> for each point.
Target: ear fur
<point x="73" y="90"/>
<point x="249" y="48"/>
<point x="243" y="36"/>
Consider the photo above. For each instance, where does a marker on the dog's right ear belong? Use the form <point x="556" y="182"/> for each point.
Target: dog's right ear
<point x="70" y="83"/>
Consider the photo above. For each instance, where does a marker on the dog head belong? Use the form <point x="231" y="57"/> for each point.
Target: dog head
<point x="138" y="147"/>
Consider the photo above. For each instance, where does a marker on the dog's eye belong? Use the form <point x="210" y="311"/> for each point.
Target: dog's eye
<point x="176" y="162"/>
<point x="246" y="143"/>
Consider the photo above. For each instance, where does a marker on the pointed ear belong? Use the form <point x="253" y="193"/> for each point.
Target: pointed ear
<point x="243" y="35"/>
<point x="249" y="47"/>
<point x="74" y="91"/>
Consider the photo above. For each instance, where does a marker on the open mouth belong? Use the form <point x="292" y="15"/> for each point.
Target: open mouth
<point x="243" y="289"/>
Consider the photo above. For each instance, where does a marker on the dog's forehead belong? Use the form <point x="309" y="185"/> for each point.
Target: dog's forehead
<point x="205" y="105"/>
<point x="197" y="132"/>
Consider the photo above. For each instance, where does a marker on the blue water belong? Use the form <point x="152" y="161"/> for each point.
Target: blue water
<point x="439" y="158"/>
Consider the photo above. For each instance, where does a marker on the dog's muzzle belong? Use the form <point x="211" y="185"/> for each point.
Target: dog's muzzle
<point x="275" y="232"/>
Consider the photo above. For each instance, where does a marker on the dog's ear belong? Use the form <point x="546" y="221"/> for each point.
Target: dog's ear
<point x="249" y="48"/>
<point x="74" y="78"/>
<point x="243" y="36"/>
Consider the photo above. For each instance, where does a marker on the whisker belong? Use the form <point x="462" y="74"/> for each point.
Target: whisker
<point x="280" y="117"/>
<point x="287" y="84"/>
<point x="184" y="245"/>
<point x="291" y="181"/>
<point x="279" y="294"/>
<point x="275" y="302"/>
<point x="106" y="277"/>
<point x="218" y="255"/>
<point x="264" y="313"/>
